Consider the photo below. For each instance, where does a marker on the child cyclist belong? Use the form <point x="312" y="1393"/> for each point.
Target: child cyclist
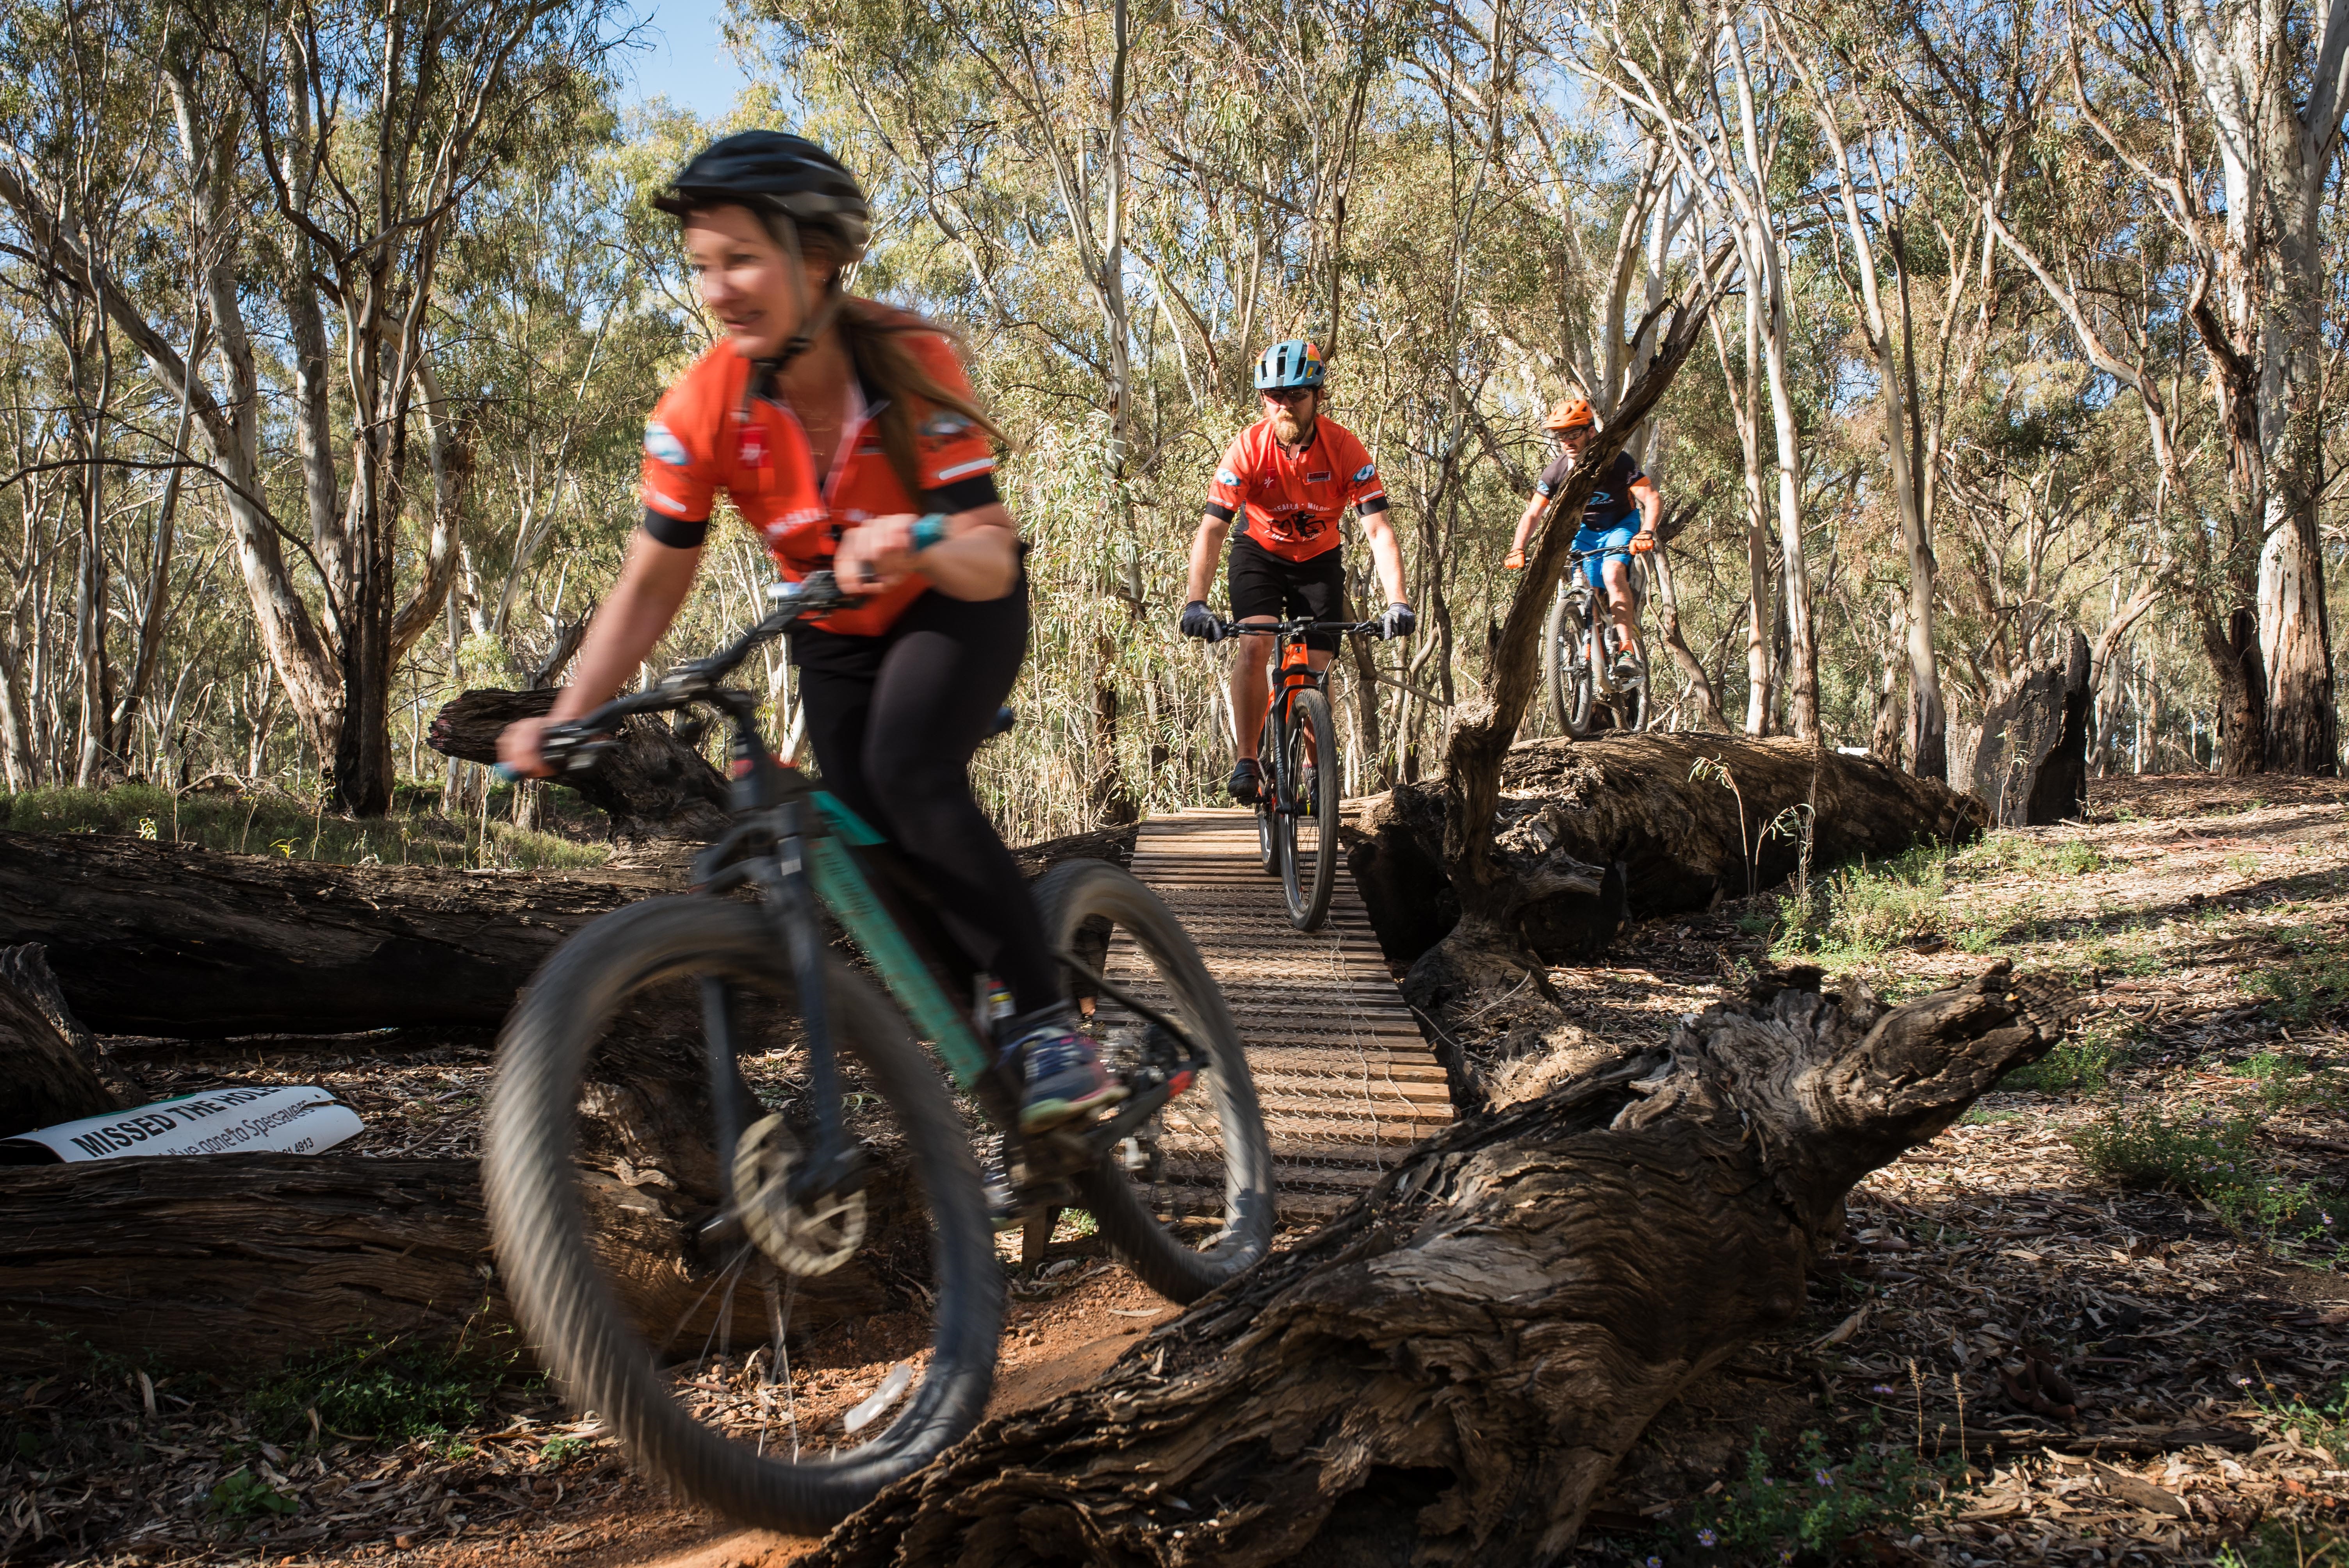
<point x="845" y="432"/>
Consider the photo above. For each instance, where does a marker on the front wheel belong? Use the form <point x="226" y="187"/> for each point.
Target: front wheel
<point x="1308" y="811"/>
<point x="728" y="1365"/>
<point x="1565" y="660"/>
<point x="1187" y="1201"/>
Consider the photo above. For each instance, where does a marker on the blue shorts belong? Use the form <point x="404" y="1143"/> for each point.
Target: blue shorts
<point x="1616" y="541"/>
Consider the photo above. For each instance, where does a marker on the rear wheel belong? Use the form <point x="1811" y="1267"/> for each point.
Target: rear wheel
<point x="1566" y="659"/>
<point x="722" y="1363"/>
<point x="1187" y="1201"/>
<point x="1309" y="816"/>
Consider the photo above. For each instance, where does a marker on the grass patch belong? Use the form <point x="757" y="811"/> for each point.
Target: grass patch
<point x="2076" y="1066"/>
<point x="2310" y="983"/>
<point x="393" y="1392"/>
<point x="1814" y="1505"/>
<point x="2216" y="1163"/>
<point x="277" y="824"/>
<point x="1860" y="910"/>
<point x="2287" y="1081"/>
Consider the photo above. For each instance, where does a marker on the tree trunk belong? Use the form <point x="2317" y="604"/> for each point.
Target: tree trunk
<point x="652" y="785"/>
<point x="1484" y="725"/>
<point x="1709" y="713"/>
<point x="2303" y="730"/>
<point x="1464" y="1355"/>
<point x="172" y="940"/>
<point x="2232" y="647"/>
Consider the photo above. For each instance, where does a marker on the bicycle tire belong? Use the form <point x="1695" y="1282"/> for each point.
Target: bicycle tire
<point x="1068" y="896"/>
<point x="1267" y="752"/>
<point x="560" y="1295"/>
<point x="1566" y="661"/>
<point x="1309" y="865"/>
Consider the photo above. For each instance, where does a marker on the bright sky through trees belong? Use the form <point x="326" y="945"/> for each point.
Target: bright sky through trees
<point x="685" y="58"/>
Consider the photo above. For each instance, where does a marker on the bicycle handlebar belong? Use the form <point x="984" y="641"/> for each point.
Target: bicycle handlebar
<point x="1270" y="628"/>
<point x="566" y="748"/>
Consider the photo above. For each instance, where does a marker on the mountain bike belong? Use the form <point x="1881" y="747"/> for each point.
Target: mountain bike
<point x="841" y="1185"/>
<point x="1579" y="627"/>
<point x="1297" y="755"/>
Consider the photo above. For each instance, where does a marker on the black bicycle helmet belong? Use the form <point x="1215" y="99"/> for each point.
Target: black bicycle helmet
<point x="774" y="171"/>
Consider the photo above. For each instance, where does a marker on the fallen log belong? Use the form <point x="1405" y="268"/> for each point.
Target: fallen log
<point x="238" y="1263"/>
<point x="651" y="783"/>
<point x="46" y="1074"/>
<point x="1588" y="833"/>
<point x="1493" y="1326"/>
<point x="168" y="939"/>
<point x="1659" y="808"/>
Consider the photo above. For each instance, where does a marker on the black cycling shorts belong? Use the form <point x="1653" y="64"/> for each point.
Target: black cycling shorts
<point x="1263" y="583"/>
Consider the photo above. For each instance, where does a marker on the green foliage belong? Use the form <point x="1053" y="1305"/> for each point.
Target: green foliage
<point x="1814" y="1504"/>
<point x="2217" y="1161"/>
<point x="2289" y="1080"/>
<point x="1860" y="910"/>
<point x="563" y="1450"/>
<point x="275" y="823"/>
<point x="2288" y="1543"/>
<point x="2310" y="981"/>
<point x="391" y="1391"/>
<point x="2077" y="1064"/>
<point x="245" y="1495"/>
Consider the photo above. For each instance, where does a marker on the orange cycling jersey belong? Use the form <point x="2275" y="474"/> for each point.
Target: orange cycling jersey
<point x="712" y="431"/>
<point x="1293" y="504"/>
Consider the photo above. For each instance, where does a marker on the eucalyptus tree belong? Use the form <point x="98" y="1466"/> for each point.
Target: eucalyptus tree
<point x="323" y="154"/>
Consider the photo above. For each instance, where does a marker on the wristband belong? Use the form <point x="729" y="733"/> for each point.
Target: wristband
<point x="931" y="530"/>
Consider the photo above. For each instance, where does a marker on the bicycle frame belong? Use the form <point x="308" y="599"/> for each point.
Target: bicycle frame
<point x="804" y="851"/>
<point x="1293" y="671"/>
<point x="1597" y="612"/>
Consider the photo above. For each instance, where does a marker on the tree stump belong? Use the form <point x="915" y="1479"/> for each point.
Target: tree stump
<point x="2027" y="761"/>
<point x="651" y="784"/>
<point x="1493" y="1326"/>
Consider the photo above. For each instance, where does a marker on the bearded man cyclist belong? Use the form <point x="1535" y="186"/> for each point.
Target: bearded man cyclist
<point x="835" y="424"/>
<point x="1624" y="494"/>
<point x="1293" y="473"/>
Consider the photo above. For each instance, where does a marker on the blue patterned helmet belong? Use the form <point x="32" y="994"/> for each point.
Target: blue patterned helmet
<point x="1295" y="363"/>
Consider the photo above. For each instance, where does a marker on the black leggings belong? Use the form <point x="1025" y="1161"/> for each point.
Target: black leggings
<point x="894" y="720"/>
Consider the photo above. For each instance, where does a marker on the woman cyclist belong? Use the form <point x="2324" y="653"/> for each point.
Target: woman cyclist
<point x="831" y="422"/>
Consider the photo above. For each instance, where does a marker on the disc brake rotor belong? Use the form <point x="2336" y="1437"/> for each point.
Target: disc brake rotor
<point x="813" y="1238"/>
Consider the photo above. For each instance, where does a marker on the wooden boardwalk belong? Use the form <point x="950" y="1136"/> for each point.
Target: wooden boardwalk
<point x="1347" y="1080"/>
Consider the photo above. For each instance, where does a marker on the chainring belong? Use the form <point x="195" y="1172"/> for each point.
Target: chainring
<point x="803" y="1238"/>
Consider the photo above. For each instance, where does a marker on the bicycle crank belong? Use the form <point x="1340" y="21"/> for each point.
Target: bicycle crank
<point x="810" y="1238"/>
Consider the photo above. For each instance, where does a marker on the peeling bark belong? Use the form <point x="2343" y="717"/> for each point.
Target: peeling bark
<point x="1503" y="1313"/>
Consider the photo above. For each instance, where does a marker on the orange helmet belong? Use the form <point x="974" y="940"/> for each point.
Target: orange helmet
<point x="1569" y="414"/>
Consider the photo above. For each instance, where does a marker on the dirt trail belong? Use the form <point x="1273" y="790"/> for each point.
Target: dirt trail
<point x="2202" y="926"/>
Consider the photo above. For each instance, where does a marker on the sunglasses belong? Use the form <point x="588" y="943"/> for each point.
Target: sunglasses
<point x="1286" y="395"/>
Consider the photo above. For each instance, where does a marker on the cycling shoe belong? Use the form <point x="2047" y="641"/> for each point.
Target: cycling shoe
<point x="1247" y="779"/>
<point x="1064" y="1079"/>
